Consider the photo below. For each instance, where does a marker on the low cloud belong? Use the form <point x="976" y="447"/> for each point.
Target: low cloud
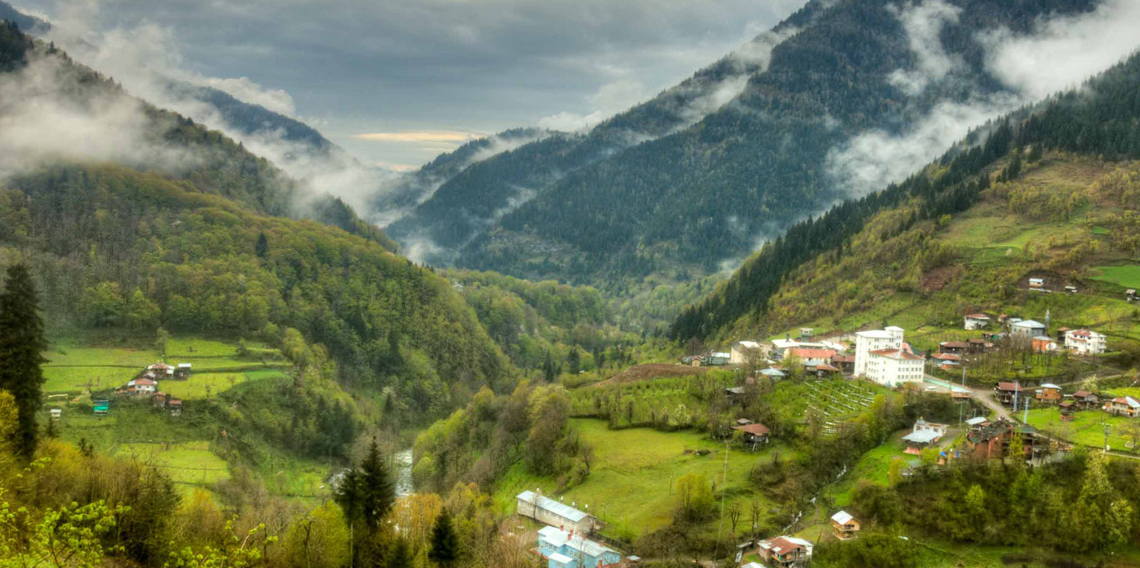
<point x="923" y="24"/>
<point x="1064" y="51"/>
<point x="875" y="159"/>
<point x="43" y="122"/>
<point x="610" y="99"/>
<point x="1059" y="54"/>
<point x="146" y="60"/>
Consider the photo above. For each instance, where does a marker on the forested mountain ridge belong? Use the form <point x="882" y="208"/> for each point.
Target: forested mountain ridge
<point x="1101" y="119"/>
<point x="120" y="241"/>
<point x="467" y="201"/>
<point x="694" y="196"/>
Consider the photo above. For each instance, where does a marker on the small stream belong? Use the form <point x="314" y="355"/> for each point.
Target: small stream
<point x="404" y="485"/>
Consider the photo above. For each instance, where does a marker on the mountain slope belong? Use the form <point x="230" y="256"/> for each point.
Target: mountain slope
<point x="699" y="194"/>
<point x="907" y="239"/>
<point x="464" y="205"/>
<point x="177" y="226"/>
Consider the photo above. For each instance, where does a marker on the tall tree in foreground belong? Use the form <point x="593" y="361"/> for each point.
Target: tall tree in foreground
<point x="377" y="490"/>
<point x="444" y="541"/>
<point x="21" y="346"/>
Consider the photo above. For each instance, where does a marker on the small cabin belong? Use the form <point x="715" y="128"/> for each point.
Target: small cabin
<point x="844" y="525"/>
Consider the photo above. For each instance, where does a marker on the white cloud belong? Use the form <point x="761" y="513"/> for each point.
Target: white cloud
<point x="243" y="88"/>
<point x="875" y="159"/>
<point x="923" y="23"/>
<point x="42" y="122"/>
<point x="1060" y="53"/>
<point x="613" y="97"/>
<point x="1064" y="51"/>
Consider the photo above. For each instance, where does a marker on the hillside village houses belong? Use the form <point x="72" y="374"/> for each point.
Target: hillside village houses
<point x="976" y="321"/>
<point x="786" y="552"/>
<point x="744" y="352"/>
<point x="1123" y="406"/>
<point x="564" y="549"/>
<point x="1027" y="328"/>
<point x="883" y="357"/>
<point x="1085" y="342"/>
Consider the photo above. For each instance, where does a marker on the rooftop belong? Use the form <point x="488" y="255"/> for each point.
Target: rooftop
<point x="562" y="510"/>
<point x="897" y="354"/>
<point x="842" y="517"/>
<point x="922" y="436"/>
<point x="755" y="429"/>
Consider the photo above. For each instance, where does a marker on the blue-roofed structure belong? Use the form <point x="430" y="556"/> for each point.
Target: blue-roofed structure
<point x="564" y="549"/>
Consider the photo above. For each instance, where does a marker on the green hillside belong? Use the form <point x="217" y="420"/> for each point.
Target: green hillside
<point x="1031" y="197"/>
<point x="657" y="190"/>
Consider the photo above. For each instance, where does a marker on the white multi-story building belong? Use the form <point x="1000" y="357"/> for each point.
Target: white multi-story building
<point x="875" y="340"/>
<point x="1085" y="342"/>
<point x="894" y="367"/>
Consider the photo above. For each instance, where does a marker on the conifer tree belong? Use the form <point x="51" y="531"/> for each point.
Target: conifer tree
<point x="400" y="556"/>
<point x="444" y="541"/>
<point x="262" y="245"/>
<point x="21" y="346"/>
<point x="376" y="489"/>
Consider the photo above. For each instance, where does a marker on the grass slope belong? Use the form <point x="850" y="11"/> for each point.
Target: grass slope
<point x="631" y="486"/>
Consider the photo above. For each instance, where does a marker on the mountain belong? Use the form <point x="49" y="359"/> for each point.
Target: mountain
<point x="169" y="224"/>
<point x="657" y="189"/>
<point x="27" y="23"/>
<point x="408" y="191"/>
<point x="1048" y="191"/>
<point x="253" y="119"/>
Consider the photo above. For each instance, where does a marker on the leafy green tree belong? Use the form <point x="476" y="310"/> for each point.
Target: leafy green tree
<point x="103" y="304"/>
<point x="21" y="346"/>
<point x="142" y="314"/>
<point x="574" y="361"/>
<point x="444" y="541"/>
<point x="68" y="537"/>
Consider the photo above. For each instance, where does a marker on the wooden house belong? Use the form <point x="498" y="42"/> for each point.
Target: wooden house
<point x="844" y="525"/>
<point x="1086" y="400"/>
<point x="753" y="434"/>
<point x="1049" y="393"/>
<point x="1006" y="392"/>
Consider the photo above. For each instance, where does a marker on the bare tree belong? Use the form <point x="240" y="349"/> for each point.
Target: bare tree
<point x="734" y="512"/>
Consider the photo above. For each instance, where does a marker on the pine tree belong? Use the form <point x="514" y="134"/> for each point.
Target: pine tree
<point x="400" y="556"/>
<point x="262" y="245"/>
<point x="21" y="346"/>
<point x="444" y="541"/>
<point x="574" y="361"/>
<point x="376" y="489"/>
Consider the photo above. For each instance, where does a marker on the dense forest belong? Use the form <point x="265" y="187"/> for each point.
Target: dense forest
<point x="195" y="250"/>
<point x="1097" y="120"/>
<point x="693" y="196"/>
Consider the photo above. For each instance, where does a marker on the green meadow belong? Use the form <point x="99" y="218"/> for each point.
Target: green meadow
<point x="632" y="484"/>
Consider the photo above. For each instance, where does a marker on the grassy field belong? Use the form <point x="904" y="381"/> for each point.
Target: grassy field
<point x="187" y="463"/>
<point x="78" y="364"/>
<point x="632" y="484"/>
<point x="201" y="384"/>
<point x="1086" y="428"/>
<point x="1127" y="276"/>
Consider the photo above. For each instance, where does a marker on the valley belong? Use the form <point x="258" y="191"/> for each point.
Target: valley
<point x="782" y="314"/>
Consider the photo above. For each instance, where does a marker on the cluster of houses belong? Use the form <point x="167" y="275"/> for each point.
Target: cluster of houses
<point x="145" y="386"/>
<point x="564" y="541"/>
<point x="1080" y="342"/>
<point x="1015" y="395"/>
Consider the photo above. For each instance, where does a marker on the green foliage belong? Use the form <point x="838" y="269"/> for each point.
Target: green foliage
<point x="367" y="492"/>
<point x="870" y="550"/>
<point x="694" y="498"/>
<point x="235" y="551"/>
<point x="1072" y="122"/>
<point x="22" y="343"/>
<point x="445" y="550"/>
<point x="68" y="537"/>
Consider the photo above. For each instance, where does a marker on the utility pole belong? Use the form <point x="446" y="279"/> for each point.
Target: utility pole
<point x="1105" y="437"/>
<point x="723" y="487"/>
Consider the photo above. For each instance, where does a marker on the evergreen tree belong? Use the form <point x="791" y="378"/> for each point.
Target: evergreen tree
<point x="262" y="246"/>
<point x="400" y="556"/>
<point x="444" y="541"/>
<point x="21" y="344"/>
<point x="376" y="489"/>
<point x="574" y="361"/>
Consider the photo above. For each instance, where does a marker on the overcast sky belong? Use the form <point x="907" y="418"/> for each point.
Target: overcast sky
<point x="398" y="81"/>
